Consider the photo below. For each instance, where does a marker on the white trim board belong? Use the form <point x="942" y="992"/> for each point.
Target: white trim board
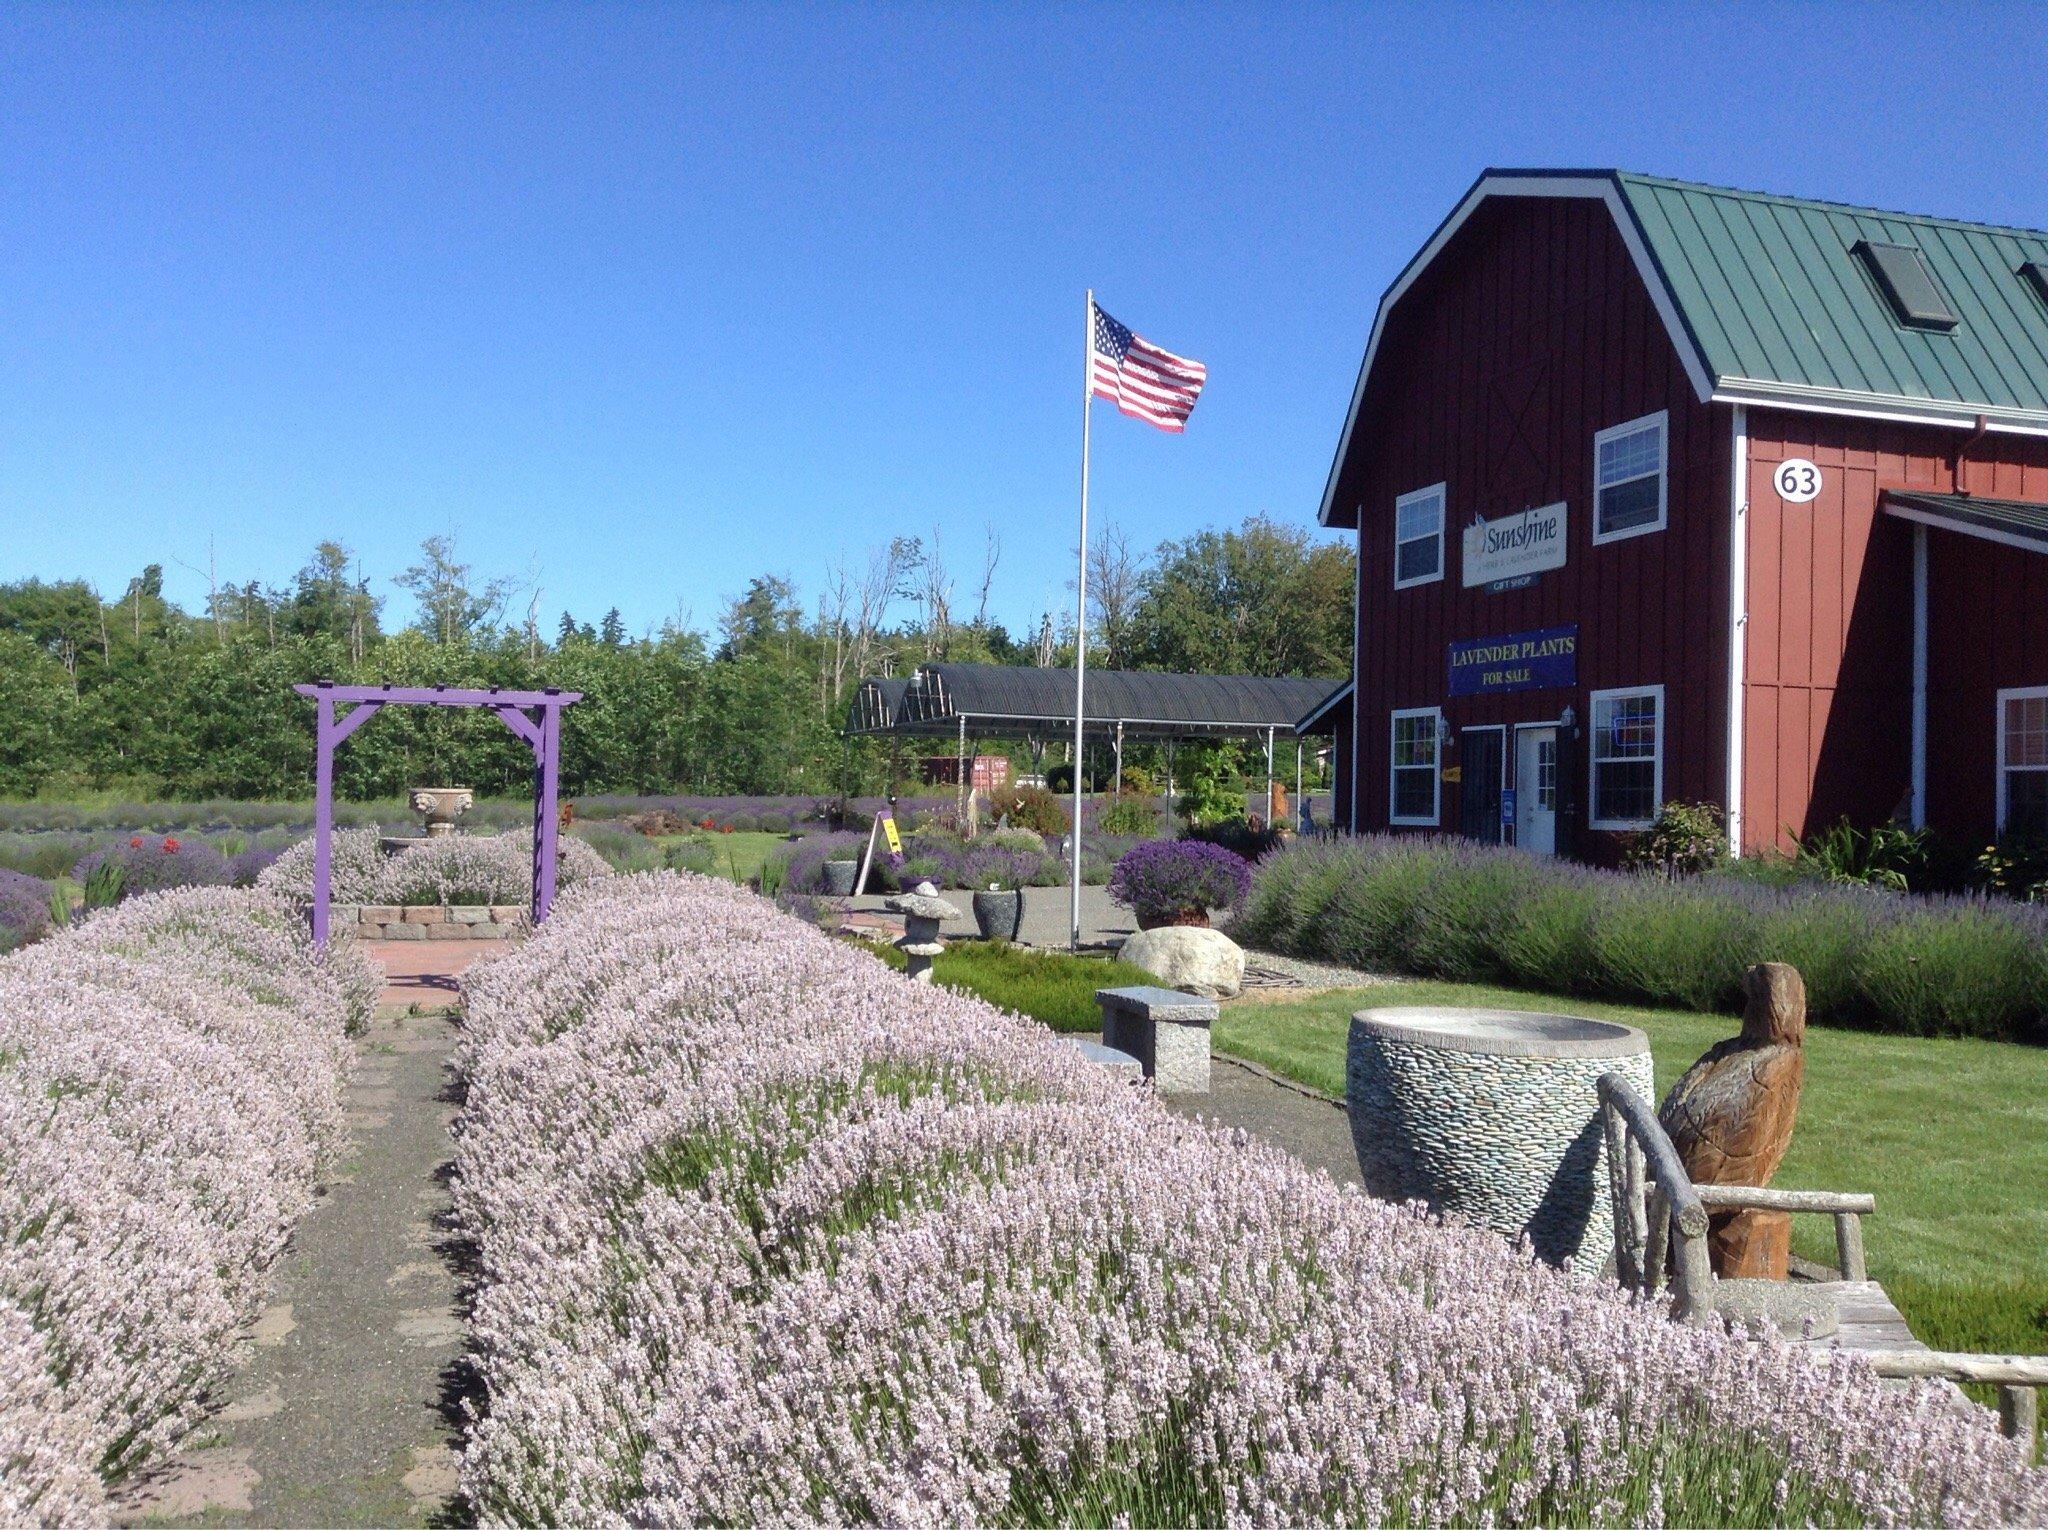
<point x="1738" y="625"/>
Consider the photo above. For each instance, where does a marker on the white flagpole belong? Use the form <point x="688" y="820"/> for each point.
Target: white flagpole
<point x="1081" y="621"/>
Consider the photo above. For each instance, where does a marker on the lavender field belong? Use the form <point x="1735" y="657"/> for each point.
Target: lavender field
<point x="765" y="1233"/>
<point x="169" y="1092"/>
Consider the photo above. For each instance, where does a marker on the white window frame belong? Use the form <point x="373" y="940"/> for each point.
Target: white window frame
<point x="1436" y="764"/>
<point x="1440" y="493"/>
<point x="1593" y="760"/>
<point x="1662" y="420"/>
<point x="2011" y="693"/>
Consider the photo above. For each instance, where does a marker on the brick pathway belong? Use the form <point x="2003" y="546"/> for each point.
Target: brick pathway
<point x="424" y="972"/>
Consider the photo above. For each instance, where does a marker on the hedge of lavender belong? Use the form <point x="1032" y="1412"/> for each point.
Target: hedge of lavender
<point x="1470" y="913"/>
<point x="170" y="1080"/>
<point x="24" y="909"/>
<point x="453" y="868"/>
<point x="765" y="1233"/>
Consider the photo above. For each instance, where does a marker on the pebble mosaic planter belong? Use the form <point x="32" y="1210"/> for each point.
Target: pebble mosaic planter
<point x="1491" y="1117"/>
<point x="433" y="921"/>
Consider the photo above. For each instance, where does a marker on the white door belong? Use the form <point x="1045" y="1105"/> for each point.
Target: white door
<point x="1536" y="790"/>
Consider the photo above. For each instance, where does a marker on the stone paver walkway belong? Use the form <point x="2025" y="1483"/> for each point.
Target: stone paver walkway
<point x="343" y="1415"/>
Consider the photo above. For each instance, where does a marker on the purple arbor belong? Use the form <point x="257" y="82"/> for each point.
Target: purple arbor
<point x="543" y="735"/>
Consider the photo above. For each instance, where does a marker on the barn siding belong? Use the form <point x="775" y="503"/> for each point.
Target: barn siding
<point x="1530" y="333"/>
<point x="1828" y="678"/>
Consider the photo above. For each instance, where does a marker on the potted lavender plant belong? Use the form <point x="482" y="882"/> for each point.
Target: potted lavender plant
<point x="1178" y="881"/>
<point x="998" y="877"/>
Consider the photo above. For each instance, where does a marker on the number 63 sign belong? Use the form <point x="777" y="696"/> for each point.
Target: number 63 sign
<point x="1796" y="480"/>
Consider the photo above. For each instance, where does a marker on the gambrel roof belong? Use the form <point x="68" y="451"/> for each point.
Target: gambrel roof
<point x="1769" y="300"/>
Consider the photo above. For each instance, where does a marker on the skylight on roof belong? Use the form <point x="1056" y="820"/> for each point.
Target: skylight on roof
<point x="2035" y="274"/>
<point x="1901" y="274"/>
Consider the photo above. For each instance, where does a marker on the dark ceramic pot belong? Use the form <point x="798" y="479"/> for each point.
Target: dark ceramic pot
<point x="998" y="914"/>
<point x="1198" y="917"/>
<point x="839" y="876"/>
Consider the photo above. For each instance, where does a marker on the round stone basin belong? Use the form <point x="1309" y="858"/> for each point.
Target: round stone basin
<point x="1492" y="1117"/>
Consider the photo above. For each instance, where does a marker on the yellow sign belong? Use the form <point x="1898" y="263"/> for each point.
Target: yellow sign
<point x="889" y="833"/>
<point x="1454" y="774"/>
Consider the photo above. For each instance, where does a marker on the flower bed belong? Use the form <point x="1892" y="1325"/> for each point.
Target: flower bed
<point x="170" y="1080"/>
<point x="765" y="1232"/>
<point x="1468" y="913"/>
<point x="473" y="870"/>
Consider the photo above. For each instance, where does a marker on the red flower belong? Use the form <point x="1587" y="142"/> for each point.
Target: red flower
<point x="135" y="843"/>
<point x="170" y="845"/>
<point x="725" y="828"/>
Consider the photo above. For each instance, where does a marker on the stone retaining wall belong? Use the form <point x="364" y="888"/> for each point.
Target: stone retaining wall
<point x="387" y="921"/>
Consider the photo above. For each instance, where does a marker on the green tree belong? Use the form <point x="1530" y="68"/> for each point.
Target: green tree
<point x="1264" y="599"/>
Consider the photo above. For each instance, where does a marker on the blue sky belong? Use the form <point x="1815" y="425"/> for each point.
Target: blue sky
<point x="641" y="301"/>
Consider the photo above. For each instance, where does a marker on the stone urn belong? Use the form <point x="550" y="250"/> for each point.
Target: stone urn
<point x="1492" y="1117"/>
<point x="999" y="914"/>
<point x="440" y="806"/>
<point x="839" y="878"/>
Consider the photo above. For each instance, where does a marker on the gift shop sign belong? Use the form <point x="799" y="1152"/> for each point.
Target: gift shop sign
<point x="1527" y="542"/>
<point x="1517" y="661"/>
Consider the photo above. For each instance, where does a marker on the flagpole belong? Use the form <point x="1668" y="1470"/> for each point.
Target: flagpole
<point x="1081" y="622"/>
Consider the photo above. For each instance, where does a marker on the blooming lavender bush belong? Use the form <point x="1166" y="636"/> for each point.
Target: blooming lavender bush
<point x="1161" y="879"/>
<point x="766" y="1233"/>
<point x="1471" y="913"/>
<point x="171" y="1082"/>
<point x="453" y="869"/>
<point x="24" y="909"/>
<point x="156" y="863"/>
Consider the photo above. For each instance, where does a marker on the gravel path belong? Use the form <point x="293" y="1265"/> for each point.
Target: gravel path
<point x="342" y="1416"/>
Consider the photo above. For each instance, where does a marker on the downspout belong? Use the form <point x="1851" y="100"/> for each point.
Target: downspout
<point x="1738" y="618"/>
<point x="1955" y="469"/>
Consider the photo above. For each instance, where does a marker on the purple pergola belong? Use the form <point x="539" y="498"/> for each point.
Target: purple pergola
<point x="543" y="735"/>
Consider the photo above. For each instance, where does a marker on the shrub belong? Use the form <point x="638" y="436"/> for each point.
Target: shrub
<point x="1029" y="807"/>
<point x="766" y="1233"/>
<point x="24" y="909"/>
<point x="1128" y="812"/>
<point x="1921" y="965"/>
<point x="448" y="869"/>
<point x="807" y="863"/>
<point x="152" y="863"/>
<point x="992" y="868"/>
<point x="1687" y="839"/>
<point x="172" y="1086"/>
<point x="1212" y="790"/>
<point x="2015" y="867"/>
<point x="1239" y="836"/>
<point x="1161" y="879"/>
<point x="1016" y="839"/>
<point x="1885" y="856"/>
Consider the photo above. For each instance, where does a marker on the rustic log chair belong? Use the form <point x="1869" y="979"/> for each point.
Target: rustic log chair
<point x="1660" y="1230"/>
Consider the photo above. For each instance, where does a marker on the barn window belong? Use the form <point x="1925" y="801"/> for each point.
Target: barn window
<point x="1412" y="779"/>
<point x="2023" y="761"/>
<point x="1419" y="537"/>
<point x="1628" y="479"/>
<point x="1627" y="757"/>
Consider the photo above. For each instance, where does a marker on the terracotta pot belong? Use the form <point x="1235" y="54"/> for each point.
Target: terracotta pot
<point x="1198" y="917"/>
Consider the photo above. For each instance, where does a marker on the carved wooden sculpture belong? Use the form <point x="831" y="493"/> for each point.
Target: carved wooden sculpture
<point x="1731" y="1117"/>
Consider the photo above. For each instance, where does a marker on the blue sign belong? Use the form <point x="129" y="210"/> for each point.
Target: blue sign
<point x="1518" y="661"/>
<point x="1507" y="804"/>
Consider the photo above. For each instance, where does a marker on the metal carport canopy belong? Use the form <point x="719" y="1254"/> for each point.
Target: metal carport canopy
<point x="1017" y="701"/>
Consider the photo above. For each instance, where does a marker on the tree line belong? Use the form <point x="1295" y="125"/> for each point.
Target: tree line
<point x="137" y="695"/>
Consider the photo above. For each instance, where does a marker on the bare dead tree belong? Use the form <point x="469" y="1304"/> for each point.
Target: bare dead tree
<point x="991" y="555"/>
<point x="1045" y="647"/>
<point x="1116" y="577"/>
<point x="935" y="596"/>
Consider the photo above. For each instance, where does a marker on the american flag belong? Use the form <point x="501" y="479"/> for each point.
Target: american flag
<point x="1143" y="381"/>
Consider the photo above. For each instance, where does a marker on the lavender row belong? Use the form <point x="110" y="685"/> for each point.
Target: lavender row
<point x="459" y="868"/>
<point x="766" y="1233"/>
<point x="170" y="1082"/>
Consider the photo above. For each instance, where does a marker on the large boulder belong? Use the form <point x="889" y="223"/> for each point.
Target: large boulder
<point x="1187" y="957"/>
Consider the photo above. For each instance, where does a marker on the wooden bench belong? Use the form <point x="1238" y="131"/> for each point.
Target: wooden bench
<point x="1660" y="1235"/>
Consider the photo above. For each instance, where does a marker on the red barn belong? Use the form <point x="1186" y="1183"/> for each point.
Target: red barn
<point x="1669" y="492"/>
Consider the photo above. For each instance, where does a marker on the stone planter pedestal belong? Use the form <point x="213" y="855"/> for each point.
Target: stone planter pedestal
<point x="1491" y="1117"/>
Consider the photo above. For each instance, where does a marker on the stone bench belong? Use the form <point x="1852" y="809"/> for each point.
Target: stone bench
<point x="1122" y="1064"/>
<point x="432" y="921"/>
<point x="1167" y="1031"/>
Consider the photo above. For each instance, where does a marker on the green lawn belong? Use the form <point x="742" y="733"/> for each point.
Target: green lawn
<point x="1950" y="1135"/>
<point x="1047" y="985"/>
<point x="737" y="855"/>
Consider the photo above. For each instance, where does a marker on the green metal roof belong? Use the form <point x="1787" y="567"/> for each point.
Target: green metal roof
<point x="2015" y="522"/>
<point x="1771" y="293"/>
<point x="1767" y="302"/>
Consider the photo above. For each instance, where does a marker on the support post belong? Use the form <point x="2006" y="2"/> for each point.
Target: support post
<point x="323" y="820"/>
<point x="960" y="769"/>
<point x="547" y="756"/>
<point x="1300" y="801"/>
<point x="1269" y="778"/>
<point x="1118" y="784"/>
